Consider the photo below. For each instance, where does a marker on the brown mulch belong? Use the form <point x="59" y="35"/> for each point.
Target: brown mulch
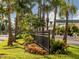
<point x="35" y="49"/>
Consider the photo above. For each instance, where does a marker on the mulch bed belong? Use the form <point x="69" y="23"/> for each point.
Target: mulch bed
<point x="35" y="49"/>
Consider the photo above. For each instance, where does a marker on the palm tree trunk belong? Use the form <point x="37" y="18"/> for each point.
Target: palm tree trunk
<point x="47" y="19"/>
<point x="2" y="18"/>
<point x="2" y="24"/>
<point x="10" y="40"/>
<point x="53" y="32"/>
<point x="16" y="26"/>
<point x="39" y="10"/>
<point x="66" y="29"/>
<point x="43" y="15"/>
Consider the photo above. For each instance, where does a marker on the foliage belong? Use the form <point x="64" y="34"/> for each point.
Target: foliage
<point x="28" y="38"/>
<point x="59" y="30"/>
<point x="58" y="47"/>
<point x="71" y="29"/>
<point x="66" y="6"/>
<point x="75" y="29"/>
<point x="19" y="36"/>
<point x="31" y="22"/>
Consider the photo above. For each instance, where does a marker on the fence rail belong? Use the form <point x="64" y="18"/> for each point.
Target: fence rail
<point x="42" y="39"/>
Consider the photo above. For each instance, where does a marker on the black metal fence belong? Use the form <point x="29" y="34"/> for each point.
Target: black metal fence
<point x="43" y="39"/>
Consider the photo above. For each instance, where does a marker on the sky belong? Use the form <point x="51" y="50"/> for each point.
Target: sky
<point x="35" y="11"/>
<point x="76" y="3"/>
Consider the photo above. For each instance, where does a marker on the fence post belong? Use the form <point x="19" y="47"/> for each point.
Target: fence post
<point x="49" y="40"/>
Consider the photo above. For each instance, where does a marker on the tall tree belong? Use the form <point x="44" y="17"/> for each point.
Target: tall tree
<point x="55" y="4"/>
<point x="65" y="10"/>
<point x="2" y="12"/>
<point x="9" y="10"/>
<point x="21" y="8"/>
<point x="47" y="10"/>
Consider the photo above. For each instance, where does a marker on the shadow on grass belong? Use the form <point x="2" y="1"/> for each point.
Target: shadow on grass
<point x="12" y="47"/>
<point x="74" y="47"/>
<point x="74" y="56"/>
<point x="2" y="55"/>
<point x="47" y="57"/>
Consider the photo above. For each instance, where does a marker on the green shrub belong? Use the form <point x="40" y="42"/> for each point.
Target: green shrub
<point x="28" y="38"/>
<point x="58" y="47"/>
<point x="75" y="29"/>
<point x="71" y="29"/>
<point x="19" y="36"/>
<point x="60" y="30"/>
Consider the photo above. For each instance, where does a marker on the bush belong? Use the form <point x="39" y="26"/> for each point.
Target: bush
<point x="19" y="36"/>
<point x="28" y="38"/>
<point x="60" y="30"/>
<point x="75" y="29"/>
<point x="71" y="29"/>
<point x="58" y="47"/>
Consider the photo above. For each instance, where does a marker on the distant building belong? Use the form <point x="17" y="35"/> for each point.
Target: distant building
<point x="61" y="22"/>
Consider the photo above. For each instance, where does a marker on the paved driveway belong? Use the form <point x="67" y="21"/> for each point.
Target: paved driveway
<point x="71" y="40"/>
<point x="3" y="37"/>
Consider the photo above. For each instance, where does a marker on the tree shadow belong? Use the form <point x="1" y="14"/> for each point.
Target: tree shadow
<point x="75" y="56"/>
<point x="2" y="55"/>
<point x="74" y="47"/>
<point x="47" y="57"/>
<point x="12" y="47"/>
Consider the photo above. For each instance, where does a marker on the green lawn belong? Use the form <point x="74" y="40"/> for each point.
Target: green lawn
<point x="17" y="52"/>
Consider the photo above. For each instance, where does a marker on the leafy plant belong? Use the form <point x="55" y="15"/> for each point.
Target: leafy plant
<point x="71" y="29"/>
<point x="75" y="29"/>
<point x="28" y="38"/>
<point x="58" y="47"/>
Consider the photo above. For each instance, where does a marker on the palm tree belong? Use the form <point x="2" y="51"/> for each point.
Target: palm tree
<point x="8" y="10"/>
<point x="47" y="10"/>
<point x="65" y="10"/>
<point x="17" y="9"/>
<point x="21" y="9"/>
<point x="39" y="2"/>
<point x="55" y="4"/>
<point x="10" y="40"/>
<point x="2" y="11"/>
<point x="43" y="14"/>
